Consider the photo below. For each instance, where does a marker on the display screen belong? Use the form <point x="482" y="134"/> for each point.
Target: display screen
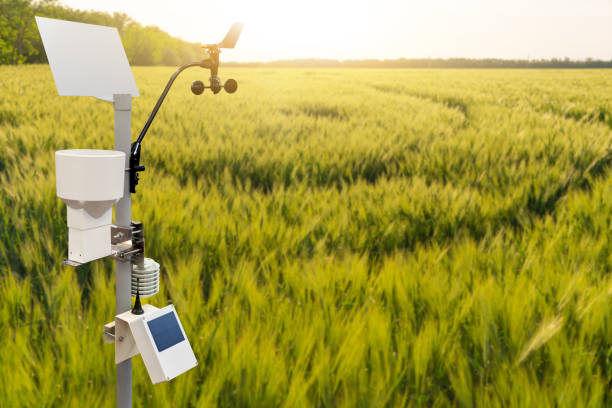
<point x="166" y="331"/>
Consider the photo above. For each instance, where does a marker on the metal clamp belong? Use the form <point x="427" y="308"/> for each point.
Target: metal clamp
<point x="109" y="332"/>
<point x="68" y="262"/>
<point x="127" y="242"/>
<point x="120" y="234"/>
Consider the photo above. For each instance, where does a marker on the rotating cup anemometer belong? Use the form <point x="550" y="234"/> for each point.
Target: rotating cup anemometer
<point x="197" y="87"/>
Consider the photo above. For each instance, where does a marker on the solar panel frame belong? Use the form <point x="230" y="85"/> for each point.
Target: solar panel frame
<point x="86" y="59"/>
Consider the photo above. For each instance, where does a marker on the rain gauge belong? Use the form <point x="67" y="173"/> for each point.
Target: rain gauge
<point x="89" y="60"/>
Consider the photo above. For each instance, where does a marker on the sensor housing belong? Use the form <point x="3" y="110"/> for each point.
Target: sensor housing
<point x="90" y="182"/>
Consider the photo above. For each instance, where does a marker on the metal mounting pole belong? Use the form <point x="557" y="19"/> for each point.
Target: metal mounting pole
<point x="123" y="215"/>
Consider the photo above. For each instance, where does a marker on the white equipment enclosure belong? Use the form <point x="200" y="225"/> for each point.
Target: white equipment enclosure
<point x="159" y="337"/>
<point x="90" y="182"/>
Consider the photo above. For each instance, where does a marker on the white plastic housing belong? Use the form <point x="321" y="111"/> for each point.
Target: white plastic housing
<point x="159" y="337"/>
<point x="145" y="278"/>
<point x="90" y="182"/>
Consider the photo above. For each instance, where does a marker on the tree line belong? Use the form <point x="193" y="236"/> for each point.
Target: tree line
<point x="429" y="63"/>
<point x="20" y="43"/>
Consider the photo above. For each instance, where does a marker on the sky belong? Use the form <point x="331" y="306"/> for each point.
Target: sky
<point x="383" y="29"/>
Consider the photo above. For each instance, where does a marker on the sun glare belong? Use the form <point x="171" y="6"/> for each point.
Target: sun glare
<point x="330" y="29"/>
<point x="361" y="29"/>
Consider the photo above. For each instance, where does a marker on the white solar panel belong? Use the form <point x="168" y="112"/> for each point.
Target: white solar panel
<point x="86" y="59"/>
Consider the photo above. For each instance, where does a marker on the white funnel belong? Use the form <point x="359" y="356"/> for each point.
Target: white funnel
<point x="90" y="182"/>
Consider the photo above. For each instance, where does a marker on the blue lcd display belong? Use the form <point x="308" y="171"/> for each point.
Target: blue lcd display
<point x="166" y="331"/>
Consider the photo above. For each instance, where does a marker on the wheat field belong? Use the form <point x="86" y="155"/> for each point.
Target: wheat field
<point x="329" y="237"/>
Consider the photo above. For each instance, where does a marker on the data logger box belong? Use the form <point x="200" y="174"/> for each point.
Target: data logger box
<point x="159" y="337"/>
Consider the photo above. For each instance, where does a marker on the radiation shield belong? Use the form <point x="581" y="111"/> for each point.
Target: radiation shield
<point x="86" y="59"/>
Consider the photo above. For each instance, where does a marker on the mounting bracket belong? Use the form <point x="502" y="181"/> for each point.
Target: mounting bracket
<point x="127" y="244"/>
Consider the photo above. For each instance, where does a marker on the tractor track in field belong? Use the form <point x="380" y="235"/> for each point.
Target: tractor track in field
<point x="600" y="115"/>
<point x="539" y="205"/>
<point x="449" y="102"/>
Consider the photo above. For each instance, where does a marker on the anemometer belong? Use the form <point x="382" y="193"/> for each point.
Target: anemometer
<point x="89" y="60"/>
<point x="197" y="87"/>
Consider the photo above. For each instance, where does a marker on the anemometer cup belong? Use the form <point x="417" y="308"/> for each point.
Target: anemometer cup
<point x="197" y="87"/>
<point x="90" y="182"/>
<point x="230" y="86"/>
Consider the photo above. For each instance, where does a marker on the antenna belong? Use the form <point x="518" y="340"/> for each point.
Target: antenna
<point x="137" y="310"/>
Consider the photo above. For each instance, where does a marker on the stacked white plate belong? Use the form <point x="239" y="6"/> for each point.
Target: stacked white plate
<point x="145" y="279"/>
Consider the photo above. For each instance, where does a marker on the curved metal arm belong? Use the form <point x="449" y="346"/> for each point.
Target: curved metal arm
<point x="143" y="132"/>
<point x="211" y="63"/>
<point x="135" y="166"/>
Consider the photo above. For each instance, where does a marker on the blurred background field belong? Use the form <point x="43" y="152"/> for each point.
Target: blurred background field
<point x="331" y="238"/>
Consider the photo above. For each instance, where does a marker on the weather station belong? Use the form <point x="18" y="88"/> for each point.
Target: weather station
<point x="89" y="60"/>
